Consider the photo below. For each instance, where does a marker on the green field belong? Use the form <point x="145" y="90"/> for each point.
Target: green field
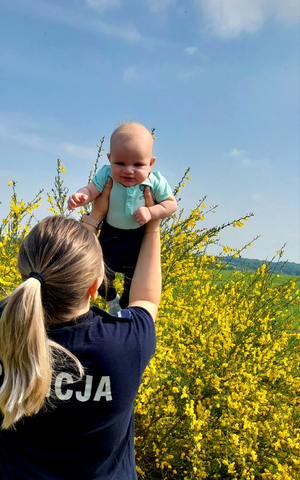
<point x="224" y="276"/>
<point x="227" y="275"/>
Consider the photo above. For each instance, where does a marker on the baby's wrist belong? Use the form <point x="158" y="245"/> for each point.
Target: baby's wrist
<point x="149" y="214"/>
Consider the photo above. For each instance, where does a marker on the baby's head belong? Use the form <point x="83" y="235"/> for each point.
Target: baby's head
<point x="131" y="154"/>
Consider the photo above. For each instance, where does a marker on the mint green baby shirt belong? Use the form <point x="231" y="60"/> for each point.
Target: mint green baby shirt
<point x="126" y="200"/>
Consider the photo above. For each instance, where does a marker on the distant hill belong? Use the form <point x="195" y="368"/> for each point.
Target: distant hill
<point x="241" y="264"/>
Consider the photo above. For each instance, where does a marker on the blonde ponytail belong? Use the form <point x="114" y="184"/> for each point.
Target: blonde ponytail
<point x="60" y="250"/>
<point x="25" y="354"/>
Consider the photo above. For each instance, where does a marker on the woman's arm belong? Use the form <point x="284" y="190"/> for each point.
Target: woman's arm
<point x="99" y="210"/>
<point x="145" y="289"/>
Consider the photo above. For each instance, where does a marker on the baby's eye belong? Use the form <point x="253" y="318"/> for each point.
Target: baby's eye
<point x="119" y="163"/>
<point x="137" y="164"/>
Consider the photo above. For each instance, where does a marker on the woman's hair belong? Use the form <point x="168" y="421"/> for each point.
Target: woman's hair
<point x="68" y="258"/>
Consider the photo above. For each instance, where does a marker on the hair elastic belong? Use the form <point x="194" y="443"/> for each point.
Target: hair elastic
<point x="38" y="277"/>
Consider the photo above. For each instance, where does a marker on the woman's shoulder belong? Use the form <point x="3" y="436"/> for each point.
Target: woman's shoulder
<point x="112" y="340"/>
<point x="130" y="314"/>
<point x="131" y="330"/>
<point x="133" y="325"/>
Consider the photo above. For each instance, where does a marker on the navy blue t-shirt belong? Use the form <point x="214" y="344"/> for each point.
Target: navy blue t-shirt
<point x="87" y="429"/>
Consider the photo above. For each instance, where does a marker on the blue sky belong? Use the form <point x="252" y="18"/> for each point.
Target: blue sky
<point x="218" y="79"/>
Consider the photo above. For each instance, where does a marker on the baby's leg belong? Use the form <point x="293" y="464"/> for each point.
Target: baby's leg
<point x="128" y="274"/>
<point x="107" y="289"/>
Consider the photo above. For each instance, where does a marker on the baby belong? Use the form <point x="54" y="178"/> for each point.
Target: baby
<point x="131" y="161"/>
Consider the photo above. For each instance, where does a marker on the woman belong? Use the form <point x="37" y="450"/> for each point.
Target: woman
<point x="70" y="373"/>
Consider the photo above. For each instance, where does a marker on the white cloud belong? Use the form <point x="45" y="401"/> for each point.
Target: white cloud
<point x="191" y="50"/>
<point x="129" y="74"/>
<point x="159" y="5"/>
<point x="31" y="140"/>
<point x="129" y="34"/>
<point x="238" y="153"/>
<point x="17" y="135"/>
<point x="185" y="75"/>
<point x="287" y="11"/>
<point x="241" y="156"/>
<point x="229" y="18"/>
<point x="87" y="153"/>
<point x="75" y="18"/>
<point x="191" y="73"/>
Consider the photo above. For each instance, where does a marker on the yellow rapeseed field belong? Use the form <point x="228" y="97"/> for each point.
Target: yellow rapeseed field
<point x="220" y="399"/>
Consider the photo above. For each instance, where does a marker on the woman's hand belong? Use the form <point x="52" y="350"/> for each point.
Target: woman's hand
<point x="101" y="203"/>
<point x="100" y="208"/>
<point x="149" y="202"/>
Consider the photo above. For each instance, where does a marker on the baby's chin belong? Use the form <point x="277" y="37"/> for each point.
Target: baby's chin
<point x="129" y="182"/>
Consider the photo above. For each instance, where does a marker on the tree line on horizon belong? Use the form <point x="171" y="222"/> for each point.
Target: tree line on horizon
<point x="251" y="264"/>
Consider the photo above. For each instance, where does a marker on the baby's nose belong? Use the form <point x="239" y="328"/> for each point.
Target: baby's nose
<point x="128" y="168"/>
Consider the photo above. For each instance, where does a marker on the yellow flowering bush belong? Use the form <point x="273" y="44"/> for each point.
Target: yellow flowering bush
<point x="13" y="229"/>
<point x="220" y="397"/>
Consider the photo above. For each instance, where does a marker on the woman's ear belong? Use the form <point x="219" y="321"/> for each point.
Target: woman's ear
<point x="93" y="290"/>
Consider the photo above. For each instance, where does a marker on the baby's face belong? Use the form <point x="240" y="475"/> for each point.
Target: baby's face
<point x="131" y="161"/>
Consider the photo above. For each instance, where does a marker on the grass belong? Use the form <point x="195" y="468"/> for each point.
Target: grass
<point x="225" y="276"/>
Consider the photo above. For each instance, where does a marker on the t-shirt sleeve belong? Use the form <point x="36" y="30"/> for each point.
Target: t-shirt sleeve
<point x="101" y="177"/>
<point x="161" y="188"/>
<point x="145" y="330"/>
<point x="128" y="340"/>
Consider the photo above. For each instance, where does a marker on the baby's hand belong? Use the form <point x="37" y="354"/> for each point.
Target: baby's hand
<point x="77" y="200"/>
<point x="142" y="215"/>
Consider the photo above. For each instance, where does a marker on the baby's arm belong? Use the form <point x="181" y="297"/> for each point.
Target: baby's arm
<point x="159" y="211"/>
<point x="83" y="196"/>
